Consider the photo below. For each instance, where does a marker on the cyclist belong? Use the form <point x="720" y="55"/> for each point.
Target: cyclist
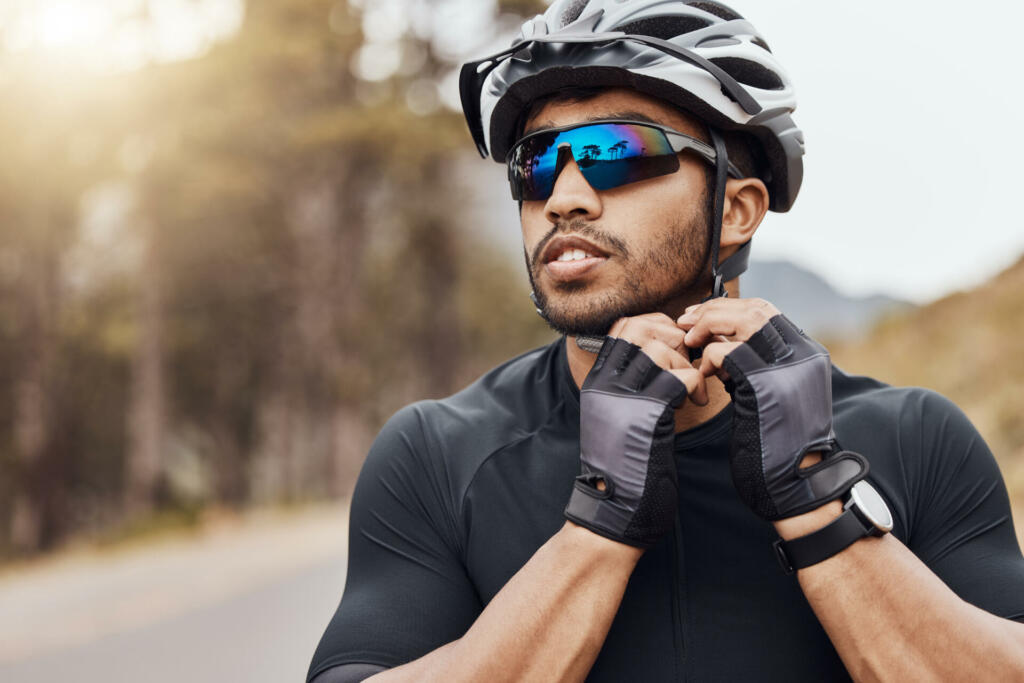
<point x="682" y="486"/>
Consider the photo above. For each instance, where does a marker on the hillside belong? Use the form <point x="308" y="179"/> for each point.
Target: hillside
<point x="809" y="298"/>
<point x="966" y="346"/>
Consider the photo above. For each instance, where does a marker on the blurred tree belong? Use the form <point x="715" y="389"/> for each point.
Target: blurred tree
<point x="523" y="8"/>
<point x="220" y="275"/>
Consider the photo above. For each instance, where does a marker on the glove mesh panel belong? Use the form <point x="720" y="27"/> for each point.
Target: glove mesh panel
<point x="747" y="470"/>
<point x="656" y="510"/>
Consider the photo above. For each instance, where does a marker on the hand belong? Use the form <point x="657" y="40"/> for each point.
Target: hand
<point x="781" y="386"/>
<point x="627" y="489"/>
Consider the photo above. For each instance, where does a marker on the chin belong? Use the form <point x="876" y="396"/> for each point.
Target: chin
<point x="590" y="315"/>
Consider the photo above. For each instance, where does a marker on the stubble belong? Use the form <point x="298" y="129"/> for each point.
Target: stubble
<point x="666" y="276"/>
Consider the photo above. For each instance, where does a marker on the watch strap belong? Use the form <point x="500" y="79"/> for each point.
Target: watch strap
<point x="822" y="544"/>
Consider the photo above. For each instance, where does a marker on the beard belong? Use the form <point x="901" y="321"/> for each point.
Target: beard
<point x="670" y="274"/>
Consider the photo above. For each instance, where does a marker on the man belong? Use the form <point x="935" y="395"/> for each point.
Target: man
<point x="617" y="505"/>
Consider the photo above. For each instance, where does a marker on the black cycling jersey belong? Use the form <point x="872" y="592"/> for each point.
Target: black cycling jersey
<point x="456" y="495"/>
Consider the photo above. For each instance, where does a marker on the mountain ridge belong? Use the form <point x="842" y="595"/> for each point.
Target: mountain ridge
<point x="813" y="302"/>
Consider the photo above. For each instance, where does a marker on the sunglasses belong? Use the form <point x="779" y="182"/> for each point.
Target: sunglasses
<point x="608" y="153"/>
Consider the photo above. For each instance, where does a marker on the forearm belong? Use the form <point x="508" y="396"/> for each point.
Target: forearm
<point x="891" y="619"/>
<point x="547" y="623"/>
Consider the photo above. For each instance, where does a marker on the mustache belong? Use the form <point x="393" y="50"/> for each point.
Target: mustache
<point x="583" y="228"/>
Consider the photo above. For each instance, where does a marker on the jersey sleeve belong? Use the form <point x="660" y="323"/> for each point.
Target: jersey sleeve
<point x="963" y="528"/>
<point x="406" y="591"/>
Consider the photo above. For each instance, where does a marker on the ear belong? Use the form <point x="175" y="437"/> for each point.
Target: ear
<point x="746" y="203"/>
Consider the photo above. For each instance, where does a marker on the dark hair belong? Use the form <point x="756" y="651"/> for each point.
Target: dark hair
<point x="744" y="150"/>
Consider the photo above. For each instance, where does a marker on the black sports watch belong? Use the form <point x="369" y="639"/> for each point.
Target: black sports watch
<point x="864" y="514"/>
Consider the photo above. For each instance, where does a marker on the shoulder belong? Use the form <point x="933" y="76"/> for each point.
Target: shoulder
<point x="451" y="438"/>
<point x="921" y="446"/>
<point x="914" y="411"/>
<point x="509" y="398"/>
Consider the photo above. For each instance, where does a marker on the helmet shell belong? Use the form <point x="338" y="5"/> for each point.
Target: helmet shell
<point x="709" y="29"/>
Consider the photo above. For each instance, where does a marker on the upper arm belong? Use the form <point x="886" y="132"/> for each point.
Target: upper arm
<point x="407" y="592"/>
<point x="964" y="530"/>
<point x="348" y="673"/>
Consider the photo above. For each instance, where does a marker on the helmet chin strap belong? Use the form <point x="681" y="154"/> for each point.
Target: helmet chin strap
<point x="536" y="305"/>
<point x="736" y="264"/>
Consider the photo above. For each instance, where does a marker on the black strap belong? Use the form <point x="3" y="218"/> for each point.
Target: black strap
<point x="734" y="266"/>
<point x="718" y="212"/>
<point x="822" y="544"/>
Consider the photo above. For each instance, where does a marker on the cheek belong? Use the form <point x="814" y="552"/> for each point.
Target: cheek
<point x="533" y="224"/>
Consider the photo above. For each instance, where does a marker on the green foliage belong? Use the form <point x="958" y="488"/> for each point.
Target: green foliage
<point x="220" y="275"/>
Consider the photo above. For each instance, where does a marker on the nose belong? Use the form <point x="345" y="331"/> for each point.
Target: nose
<point x="572" y="196"/>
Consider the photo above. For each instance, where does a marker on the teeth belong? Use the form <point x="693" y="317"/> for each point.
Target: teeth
<point x="573" y="255"/>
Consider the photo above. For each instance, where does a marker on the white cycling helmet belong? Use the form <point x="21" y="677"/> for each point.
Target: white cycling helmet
<point x="698" y="55"/>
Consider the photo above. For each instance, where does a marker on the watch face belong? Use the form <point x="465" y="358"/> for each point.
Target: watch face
<point x="871" y="505"/>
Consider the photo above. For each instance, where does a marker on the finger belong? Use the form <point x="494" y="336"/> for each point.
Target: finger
<point x="696" y="388"/>
<point x="636" y="372"/>
<point x="642" y="329"/>
<point x="664" y="355"/>
<point x="737" y="320"/>
<point x="644" y="317"/>
<point x="669" y="387"/>
<point x="713" y="360"/>
<point x="728" y="302"/>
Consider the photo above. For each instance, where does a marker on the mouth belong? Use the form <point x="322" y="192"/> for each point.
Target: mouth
<point x="569" y="258"/>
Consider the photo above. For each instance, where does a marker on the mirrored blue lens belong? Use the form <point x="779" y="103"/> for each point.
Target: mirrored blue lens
<point x="608" y="155"/>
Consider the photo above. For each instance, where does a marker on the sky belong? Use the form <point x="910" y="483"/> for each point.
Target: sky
<point x="910" y="112"/>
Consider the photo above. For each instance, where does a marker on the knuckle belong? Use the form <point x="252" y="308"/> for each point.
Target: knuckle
<point x="767" y="307"/>
<point x="632" y="330"/>
<point x="659" y="318"/>
<point x="758" y="315"/>
<point x="654" y="346"/>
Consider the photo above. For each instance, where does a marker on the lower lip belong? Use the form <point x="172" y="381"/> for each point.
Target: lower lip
<point x="566" y="271"/>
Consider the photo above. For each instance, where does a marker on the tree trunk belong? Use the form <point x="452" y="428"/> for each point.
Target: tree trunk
<point x="146" y="417"/>
<point x="33" y="422"/>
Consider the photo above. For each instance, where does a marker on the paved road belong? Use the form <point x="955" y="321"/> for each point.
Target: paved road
<point x="261" y="628"/>
<point x="244" y="602"/>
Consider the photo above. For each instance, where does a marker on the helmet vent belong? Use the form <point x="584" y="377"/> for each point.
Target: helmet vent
<point x="665" y="28"/>
<point x="749" y="73"/>
<point x="720" y="11"/>
<point x="760" y="43"/>
<point x="719" y="41"/>
<point x="573" y="12"/>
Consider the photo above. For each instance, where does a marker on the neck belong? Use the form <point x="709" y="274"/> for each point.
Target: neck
<point x="688" y="415"/>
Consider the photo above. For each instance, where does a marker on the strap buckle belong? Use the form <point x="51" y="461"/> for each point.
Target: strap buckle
<point x="782" y="557"/>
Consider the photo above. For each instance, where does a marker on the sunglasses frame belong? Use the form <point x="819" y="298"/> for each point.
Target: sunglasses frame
<point x="679" y="142"/>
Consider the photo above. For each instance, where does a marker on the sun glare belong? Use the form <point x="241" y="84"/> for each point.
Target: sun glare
<point x="68" y="24"/>
<point x="115" y="35"/>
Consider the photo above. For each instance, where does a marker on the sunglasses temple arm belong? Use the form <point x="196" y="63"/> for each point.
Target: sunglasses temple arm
<point x="705" y="150"/>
